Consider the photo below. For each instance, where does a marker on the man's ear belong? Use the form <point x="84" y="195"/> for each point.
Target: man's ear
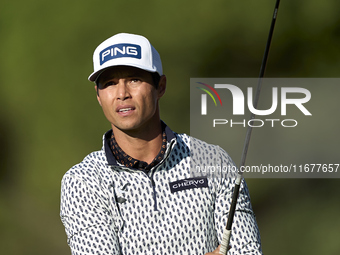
<point x="161" y="86"/>
<point x="97" y="92"/>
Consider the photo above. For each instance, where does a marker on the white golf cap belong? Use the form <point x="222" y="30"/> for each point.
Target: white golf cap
<point x="126" y="50"/>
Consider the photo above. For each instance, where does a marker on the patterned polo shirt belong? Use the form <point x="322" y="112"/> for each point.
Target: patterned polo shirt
<point x="108" y="208"/>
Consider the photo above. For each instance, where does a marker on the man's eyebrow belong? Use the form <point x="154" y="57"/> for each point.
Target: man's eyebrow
<point x="119" y="75"/>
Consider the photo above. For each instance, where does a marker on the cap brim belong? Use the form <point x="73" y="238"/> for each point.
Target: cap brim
<point x="94" y="76"/>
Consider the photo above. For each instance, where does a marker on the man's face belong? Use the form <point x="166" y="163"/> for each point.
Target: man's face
<point x="129" y="99"/>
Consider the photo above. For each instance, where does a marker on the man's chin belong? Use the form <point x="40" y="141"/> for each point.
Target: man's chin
<point x="126" y="127"/>
<point x="134" y="129"/>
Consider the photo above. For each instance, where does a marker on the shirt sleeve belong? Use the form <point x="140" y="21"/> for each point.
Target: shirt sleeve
<point x="88" y="221"/>
<point x="245" y="235"/>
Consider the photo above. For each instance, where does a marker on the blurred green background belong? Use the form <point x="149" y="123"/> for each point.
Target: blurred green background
<point x="49" y="117"/>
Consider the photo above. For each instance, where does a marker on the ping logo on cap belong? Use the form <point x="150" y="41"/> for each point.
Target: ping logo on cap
<point x="121" y="50"/>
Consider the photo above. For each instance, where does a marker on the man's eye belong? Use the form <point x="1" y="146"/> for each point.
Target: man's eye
<point x="109" y="83"/>
<point x="135" y="80"/>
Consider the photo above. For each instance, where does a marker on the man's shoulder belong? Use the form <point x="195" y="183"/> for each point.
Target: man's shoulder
<point x="93" y="166"/>
<point x="195" y="143"/>
<point x="202" y="151"/>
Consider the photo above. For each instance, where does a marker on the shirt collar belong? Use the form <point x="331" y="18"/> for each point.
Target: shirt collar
<point x="170" y="137"/>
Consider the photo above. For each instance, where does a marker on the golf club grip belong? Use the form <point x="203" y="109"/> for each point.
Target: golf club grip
<point x="225" y="242"/>
<point x="227" y="231"/>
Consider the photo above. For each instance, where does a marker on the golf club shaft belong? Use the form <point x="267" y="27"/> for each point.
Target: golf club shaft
<point x="227" y="231"/>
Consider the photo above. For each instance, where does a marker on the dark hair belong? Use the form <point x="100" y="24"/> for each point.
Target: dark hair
<point x="155" y="78"/>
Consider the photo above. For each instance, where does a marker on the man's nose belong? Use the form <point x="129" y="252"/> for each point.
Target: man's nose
<point x="122" y="90"/>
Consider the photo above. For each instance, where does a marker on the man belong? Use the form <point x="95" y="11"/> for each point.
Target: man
<point x="137" y="195"/>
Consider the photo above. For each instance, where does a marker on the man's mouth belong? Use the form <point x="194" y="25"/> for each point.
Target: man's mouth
<point x="125" y="109"/>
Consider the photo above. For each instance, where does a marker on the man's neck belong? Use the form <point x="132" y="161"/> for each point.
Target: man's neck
<point x="140" y="145"/>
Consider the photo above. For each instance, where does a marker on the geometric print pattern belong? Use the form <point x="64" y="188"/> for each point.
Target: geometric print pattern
<point x="108" y="208"/>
